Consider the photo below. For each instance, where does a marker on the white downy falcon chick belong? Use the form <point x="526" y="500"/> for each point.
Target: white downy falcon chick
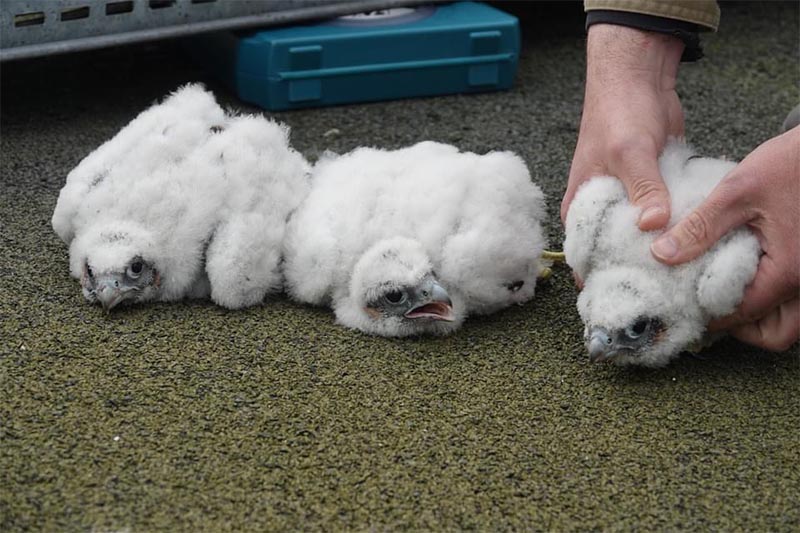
<point x="636" y="310"/>
<point x="185" y="201"/>
<point x="411" y="241"/>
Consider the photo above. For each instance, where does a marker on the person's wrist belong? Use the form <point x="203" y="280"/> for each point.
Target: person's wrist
<point x="621" y="54"/>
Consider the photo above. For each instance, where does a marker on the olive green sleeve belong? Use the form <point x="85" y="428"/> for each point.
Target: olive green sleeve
<point x="704" y="13"/>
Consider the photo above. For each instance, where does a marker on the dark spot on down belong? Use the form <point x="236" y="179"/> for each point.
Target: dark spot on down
<point x="98" y="179"/>
<point x="515" y="286"/>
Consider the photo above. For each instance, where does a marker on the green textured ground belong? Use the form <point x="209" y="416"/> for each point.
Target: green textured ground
<point x="188" y="417"/>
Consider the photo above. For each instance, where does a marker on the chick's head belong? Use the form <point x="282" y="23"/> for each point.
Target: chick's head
<point x="394" y="291"/>
<point x="115" y="264"/>
<point x="636" y="316"/>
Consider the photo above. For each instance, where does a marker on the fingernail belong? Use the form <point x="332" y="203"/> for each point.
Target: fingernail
<point x="664" y="247"/>
<point x="649" y="215"/>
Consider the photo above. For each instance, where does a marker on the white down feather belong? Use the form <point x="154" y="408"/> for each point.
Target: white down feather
<point x="202" y="196"/>
<point x="622" y="280"/>
<point x="474" y="220"/>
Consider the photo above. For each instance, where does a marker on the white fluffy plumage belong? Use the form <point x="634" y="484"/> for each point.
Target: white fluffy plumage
<point x="635" y="309"/>
<point x="185" y="201"/>
<point x="412" y="241"/>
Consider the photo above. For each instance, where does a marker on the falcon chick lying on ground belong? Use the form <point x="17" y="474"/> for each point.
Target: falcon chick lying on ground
<point x="411" y="241"/>
<point x="184" y="201"/>
<point x="635" y="309"/>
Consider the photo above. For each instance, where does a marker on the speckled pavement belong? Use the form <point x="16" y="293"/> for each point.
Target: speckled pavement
<point x="187" y="417"/>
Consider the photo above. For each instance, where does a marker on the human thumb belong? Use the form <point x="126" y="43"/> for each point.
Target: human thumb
<point x="698" y="231"/>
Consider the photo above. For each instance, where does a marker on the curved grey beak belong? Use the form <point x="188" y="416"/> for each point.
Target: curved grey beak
<point x="435" y="303"/>
<point x="600" y="345"/>
<point x="110" y="291"/>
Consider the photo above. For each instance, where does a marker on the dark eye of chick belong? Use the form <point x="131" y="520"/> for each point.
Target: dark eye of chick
<point x="394" y="297"/>
<point x="515" y="286"/>
<point x="135" y="268"/>
<point x="638" y="328"/>
<point x="89" y="271"/>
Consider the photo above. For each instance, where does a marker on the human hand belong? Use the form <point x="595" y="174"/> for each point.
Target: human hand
<point x="763" y="192"/>
<point x="630" y="109"/>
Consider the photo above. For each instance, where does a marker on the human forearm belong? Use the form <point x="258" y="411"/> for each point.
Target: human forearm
<point x="630" y="109"/>
<point x="618" y="54"/>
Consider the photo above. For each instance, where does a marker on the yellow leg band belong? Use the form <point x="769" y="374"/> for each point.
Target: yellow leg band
<point x="556" y="257"/>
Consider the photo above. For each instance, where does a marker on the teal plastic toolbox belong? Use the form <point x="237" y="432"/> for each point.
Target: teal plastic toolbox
<point x="397" y="53"/>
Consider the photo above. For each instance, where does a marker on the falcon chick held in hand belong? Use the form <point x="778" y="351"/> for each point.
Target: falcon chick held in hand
<point x="185" y="201"/>
<point x="411" y="241"/>
<point x="636" y="310"/>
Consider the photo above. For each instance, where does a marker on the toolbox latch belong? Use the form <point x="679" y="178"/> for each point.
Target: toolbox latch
<point x="305" y="58"/>
<point x="484" y="43"/>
